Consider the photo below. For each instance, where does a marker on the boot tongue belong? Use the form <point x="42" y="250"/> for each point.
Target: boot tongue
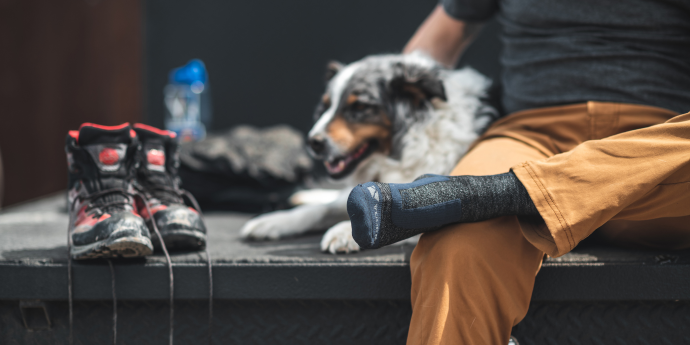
<point x="157" y="164"/>
<point x="96" y="134"/>
<point x="108" y="147"/>
<point x="157" y="145"/>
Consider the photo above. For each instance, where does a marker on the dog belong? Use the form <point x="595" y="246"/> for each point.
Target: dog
<point x="387" y="118"/>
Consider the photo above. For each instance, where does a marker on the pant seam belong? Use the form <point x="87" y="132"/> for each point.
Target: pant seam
<point x="672" y="183"/>
<point x="554" y="208"/>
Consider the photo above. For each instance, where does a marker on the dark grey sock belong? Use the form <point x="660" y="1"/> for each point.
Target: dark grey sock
<point x="382" y="213"/>
<point x="483" y="197"/>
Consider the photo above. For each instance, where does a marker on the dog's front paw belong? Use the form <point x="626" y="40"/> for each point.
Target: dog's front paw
<point x="338" y="239"/>
<point x="272" y="226"/>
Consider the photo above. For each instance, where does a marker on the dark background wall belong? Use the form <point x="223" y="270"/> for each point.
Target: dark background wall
<point x="62" y="63"/>
<point x="266" y="59"/>
<point x="106" y="61"/>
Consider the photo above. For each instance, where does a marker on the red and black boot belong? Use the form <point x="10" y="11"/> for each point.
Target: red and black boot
<point x="104" y="221"/>
<point x="180" y="226"/>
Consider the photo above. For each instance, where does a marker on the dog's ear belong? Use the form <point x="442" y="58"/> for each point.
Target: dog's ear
<point x="332" y="69"/>
<point x="416" y="84"/>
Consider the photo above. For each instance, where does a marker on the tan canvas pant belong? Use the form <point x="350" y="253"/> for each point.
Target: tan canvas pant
<point x="471" y="283"/>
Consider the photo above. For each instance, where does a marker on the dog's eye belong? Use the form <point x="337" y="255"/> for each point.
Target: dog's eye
<point x="358" y="106"/>
<point x="362" y="111"/>
<point x="365" y="107"/>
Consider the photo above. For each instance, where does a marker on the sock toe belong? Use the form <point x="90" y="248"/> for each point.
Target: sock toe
<point x="364" y="208"/>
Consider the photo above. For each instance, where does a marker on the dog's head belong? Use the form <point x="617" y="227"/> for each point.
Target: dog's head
<point x="367" y="104"/>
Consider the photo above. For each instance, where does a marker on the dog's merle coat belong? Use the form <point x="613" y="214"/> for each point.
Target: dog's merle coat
<point x="388" y="118"/>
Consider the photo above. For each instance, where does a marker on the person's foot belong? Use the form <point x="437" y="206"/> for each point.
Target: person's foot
<point x="180" y="226"/>
<point x="383" y="213"/>
<point x="379" y="217"/>
<point x="103" y="218"/>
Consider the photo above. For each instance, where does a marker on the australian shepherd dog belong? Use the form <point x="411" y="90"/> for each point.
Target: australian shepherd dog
<point x="388" y="118"/>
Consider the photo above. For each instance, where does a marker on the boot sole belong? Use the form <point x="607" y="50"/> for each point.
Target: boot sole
<point x="123" y="247"/>
<point x="180" y="239"/>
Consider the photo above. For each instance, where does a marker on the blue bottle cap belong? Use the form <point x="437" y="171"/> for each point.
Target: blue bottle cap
<point x="194" y="72"/>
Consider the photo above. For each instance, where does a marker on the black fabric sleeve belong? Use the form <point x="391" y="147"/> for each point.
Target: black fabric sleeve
<point x="470" y="10"/>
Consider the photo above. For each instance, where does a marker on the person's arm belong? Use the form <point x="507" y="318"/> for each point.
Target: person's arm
<point x="443" y="37"/>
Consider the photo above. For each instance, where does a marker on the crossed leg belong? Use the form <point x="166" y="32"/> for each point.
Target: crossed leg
<point x="472" y="282"/>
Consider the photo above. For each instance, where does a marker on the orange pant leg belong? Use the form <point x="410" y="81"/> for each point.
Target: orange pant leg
<point x="471" y="283"/>
<point x="639" y="175"/>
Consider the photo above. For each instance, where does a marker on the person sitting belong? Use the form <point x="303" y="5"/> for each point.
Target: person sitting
<point x="593" y="140"/>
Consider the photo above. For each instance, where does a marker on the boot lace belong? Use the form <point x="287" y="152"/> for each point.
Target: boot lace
<point x="100" y="204"/>
<point x="107" y="201"/>
<point x="70" y="287"/>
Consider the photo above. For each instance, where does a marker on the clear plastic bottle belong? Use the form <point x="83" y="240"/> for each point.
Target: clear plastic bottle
<point x="188" y="101"/>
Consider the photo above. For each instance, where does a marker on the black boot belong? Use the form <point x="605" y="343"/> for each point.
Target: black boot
<point x="180" y="226"/>
<point x="104" y="222"/>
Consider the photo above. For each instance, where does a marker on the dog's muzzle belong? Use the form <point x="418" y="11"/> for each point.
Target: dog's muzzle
<point x="317" y="146"/>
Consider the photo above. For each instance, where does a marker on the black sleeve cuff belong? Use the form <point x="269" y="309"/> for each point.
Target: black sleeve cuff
<point x="470" y="10"/>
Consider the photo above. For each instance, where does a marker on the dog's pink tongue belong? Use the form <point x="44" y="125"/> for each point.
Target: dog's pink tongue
<point x="336" y="168"/>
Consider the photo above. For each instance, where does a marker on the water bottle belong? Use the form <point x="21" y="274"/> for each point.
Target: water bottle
<point x="188" y="101"/>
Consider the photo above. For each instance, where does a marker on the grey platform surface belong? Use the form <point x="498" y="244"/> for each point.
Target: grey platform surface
<point x="33" y="264"/>
<point x="288" y="292"/>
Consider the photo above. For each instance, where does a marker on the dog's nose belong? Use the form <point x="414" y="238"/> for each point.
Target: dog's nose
<point x="317" y="144"/>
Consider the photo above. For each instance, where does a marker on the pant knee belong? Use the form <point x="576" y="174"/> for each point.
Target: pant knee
<point x="459" y="243"/>
<point x="489" y="252"/>
<point x="447" y="256"/>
